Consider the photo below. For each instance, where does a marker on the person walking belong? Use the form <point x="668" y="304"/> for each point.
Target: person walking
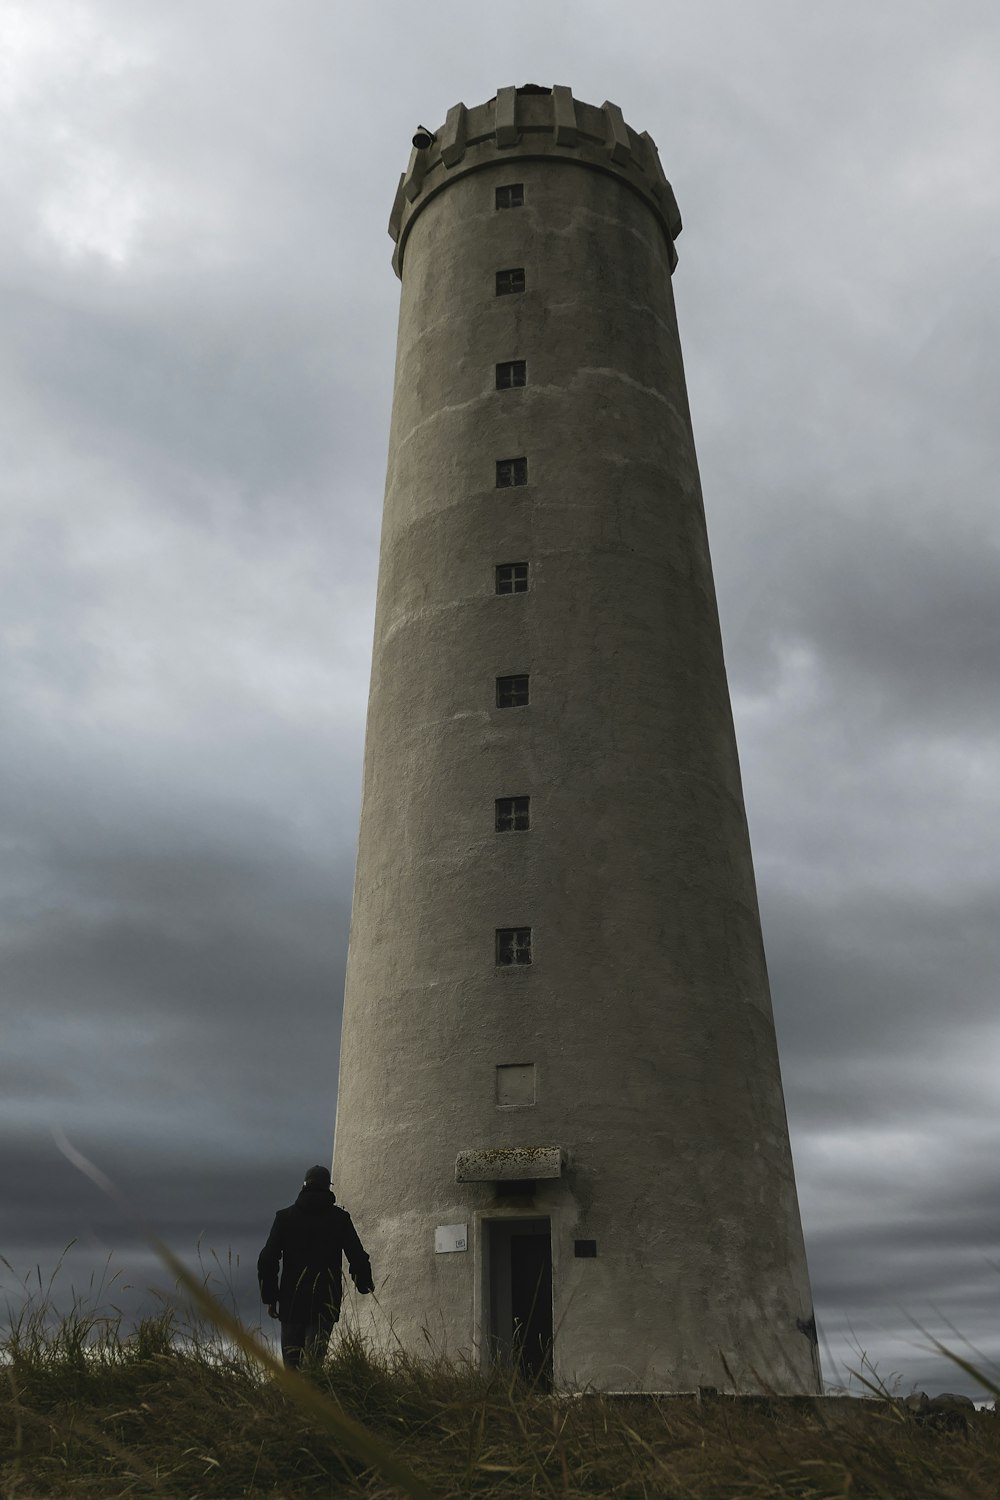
<point x="308" y="1240"/>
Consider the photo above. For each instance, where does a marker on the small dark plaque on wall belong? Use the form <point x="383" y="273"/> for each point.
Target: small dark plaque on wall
<point x="585" y="1249"/>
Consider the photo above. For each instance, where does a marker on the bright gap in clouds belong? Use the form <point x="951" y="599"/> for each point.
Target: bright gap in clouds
<point x="65" y="78"/>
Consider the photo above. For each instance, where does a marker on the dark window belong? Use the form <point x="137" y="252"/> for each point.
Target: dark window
<point x="512" y="578"/>
<point x="513" y="815"/>
<point x="585" y="1249"/>
<point x="510" y="281"/>
<point x="513" y="945"/>
<point x="512" y="692"/>
<point x="511" y="374"/>
<point x="511" y="471"/>
<point x="511" y="196"/>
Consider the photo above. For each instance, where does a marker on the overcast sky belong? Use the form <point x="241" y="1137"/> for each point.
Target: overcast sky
<point x="198" y="324"/>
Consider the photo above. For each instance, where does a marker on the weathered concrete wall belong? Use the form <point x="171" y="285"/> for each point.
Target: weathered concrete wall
<point x="646" y="1009"/>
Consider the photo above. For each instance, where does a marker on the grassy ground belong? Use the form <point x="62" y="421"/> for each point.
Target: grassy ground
<point x="86" y="1412"/>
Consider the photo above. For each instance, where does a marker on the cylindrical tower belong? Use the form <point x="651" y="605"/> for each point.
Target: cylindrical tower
<point x="560" y="1123"/>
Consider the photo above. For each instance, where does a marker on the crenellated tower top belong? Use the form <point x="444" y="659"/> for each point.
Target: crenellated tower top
<point x="536" y="124"/>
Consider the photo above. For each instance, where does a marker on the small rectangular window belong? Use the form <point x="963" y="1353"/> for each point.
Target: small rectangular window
<point x="512" y="692"/>
<point x="512" y="578"/>
<point x="513" y="814"/>
<point x="515" y="1085"/>
<point x="511" y="471"/>
<point x="510" y="281"/>
<point x="511" y="196"/>
<point x="585" y="1249"/>
<point x="513" y="946"/>
<point x="513" y="373"/>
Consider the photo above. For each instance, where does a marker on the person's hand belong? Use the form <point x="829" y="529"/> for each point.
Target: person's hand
<point x="272" y="1309"/>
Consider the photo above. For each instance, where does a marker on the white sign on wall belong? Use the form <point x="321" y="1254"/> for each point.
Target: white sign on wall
<point x="451" y="1237"/>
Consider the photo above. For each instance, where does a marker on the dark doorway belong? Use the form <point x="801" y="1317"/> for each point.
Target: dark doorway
<point x="520" y="1296"/>
<point x="531" y="1303"/>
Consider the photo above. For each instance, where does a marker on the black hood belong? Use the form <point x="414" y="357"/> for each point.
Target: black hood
<point x="316" y="1200"/>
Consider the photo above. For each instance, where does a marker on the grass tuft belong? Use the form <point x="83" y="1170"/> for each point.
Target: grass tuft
<point x="90" y="1410"/>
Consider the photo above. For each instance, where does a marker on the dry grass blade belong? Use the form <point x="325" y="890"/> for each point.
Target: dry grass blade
<point x="356" y="1440"/>
<point x="78" y="1425"/>
<point x="967" y="1367"/>
<point x="97" y="1415"/>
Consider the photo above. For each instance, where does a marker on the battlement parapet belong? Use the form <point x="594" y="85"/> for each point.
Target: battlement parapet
<point x="536" y="124"/>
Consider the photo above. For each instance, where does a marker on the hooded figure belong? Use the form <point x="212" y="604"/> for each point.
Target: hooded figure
<point x="309" y="1239"/>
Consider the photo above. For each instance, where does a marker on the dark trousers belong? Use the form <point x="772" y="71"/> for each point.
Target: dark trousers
<point x="307" y="1339"/>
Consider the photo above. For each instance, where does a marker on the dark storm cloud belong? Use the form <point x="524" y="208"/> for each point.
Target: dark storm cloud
<point x="169" y="376"/>
<point x="860" y="953"/>
<point x="213" y="1209"/>
<point x="899" y="604"/>
<point x="199" y="309"/>
<point x="154" y="1188"/>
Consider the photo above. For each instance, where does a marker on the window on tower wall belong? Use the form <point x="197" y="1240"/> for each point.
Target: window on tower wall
<point x="515" y="1085"/>
<point x="513" y="814"/>
<point x="511" y="471"/>
<point x="511" y="196"/>
<point x="513" y="946"/>
<point x="512" y="692"/>
<point x="510" y="281"/>
<point x="512" y="578"/>
<point x="513" y="373"/>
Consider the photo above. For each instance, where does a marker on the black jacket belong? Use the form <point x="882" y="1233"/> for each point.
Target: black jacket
<point x="309" y="1239"/>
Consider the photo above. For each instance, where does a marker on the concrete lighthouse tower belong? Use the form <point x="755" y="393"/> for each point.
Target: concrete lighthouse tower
<point x="560" y="1122"/>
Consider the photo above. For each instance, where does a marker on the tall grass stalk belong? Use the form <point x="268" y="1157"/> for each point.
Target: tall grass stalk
<point x="88" y="1412"/>
<point x="93" y="1410"/>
